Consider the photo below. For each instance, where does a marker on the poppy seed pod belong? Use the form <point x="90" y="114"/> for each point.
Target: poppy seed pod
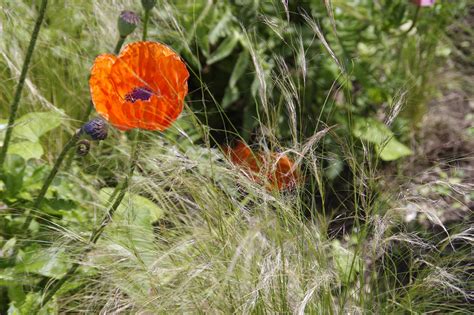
<point x="127" y="22"/>
<point x="96" y="128"/>
<point x="148" y="4"/>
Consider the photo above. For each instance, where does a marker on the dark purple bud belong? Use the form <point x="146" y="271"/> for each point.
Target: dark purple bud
<point x="96" y="128"/>
<point x="127" y="23"/>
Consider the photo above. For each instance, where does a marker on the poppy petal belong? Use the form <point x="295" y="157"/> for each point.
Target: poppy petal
<point x="144" y="87"/>
<point x="101" y="87"/>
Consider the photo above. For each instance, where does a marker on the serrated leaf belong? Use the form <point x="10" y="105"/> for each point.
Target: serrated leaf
<point x="27" y="150"/>
<point x="239" y="68"/>
<point x="33" y="125"/>
<point x="224" y="49"/>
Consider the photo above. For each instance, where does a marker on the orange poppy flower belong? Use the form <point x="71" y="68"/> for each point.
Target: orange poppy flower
<point x="277" y="168"/>
<point x="242" y="155"/>
<point x="143" y="87"/>
<point x="284" y="175"/>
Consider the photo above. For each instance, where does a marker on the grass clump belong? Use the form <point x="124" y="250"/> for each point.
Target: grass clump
<point x="338" y="87"/>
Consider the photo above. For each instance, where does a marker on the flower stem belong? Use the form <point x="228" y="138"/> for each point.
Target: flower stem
<point x="119" y="44"/>
<point x="89" y="108"/>
<point x="21" y="82"/>
<point x="49" y="179"/>
<point x="96" y="234"/>
<point x="145" y="24"/>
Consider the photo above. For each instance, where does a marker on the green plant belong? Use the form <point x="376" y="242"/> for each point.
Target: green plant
<point x="323" y="83"/>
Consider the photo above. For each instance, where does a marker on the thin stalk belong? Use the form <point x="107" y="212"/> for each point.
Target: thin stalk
<point x="21" y="82"/>
<point x="89" y="108"/>
<point x="39" y="199"/>
<point x="119" y="44"/>
<point x="404" y="36"/>
<point x="105" y="221"/>
<point x="93" y="239"/>
<point x="145" y="24"/>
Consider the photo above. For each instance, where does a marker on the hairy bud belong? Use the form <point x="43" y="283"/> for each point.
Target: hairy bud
<point x="127" y="23"/>
<point x="96" y="128"/>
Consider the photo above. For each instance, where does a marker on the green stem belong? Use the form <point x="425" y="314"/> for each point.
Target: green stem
<point x="21" y="82"/>
<point x="145" y="24"/>
<point x="93" y="239"/>
<point x="119" y="44"/>
<point x="49" y="179"/>
<point x="404" y="36"/>
<point x="105" y="221"/>
<point x="88" y="111"/>
<point x="415" y="20"/>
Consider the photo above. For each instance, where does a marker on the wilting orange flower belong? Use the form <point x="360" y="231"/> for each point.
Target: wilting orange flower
<point x="143" y="87"/>
<point x="277" y="168"/>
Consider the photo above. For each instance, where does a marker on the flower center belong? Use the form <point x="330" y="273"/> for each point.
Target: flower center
<point x="139" y="93"/>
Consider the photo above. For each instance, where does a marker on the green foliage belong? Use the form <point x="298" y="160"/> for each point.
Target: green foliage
<point x="33" y="125"/>
<point x="193" y="232"/>
<point x="373" y="131"/>
<point x="27" y="150"/>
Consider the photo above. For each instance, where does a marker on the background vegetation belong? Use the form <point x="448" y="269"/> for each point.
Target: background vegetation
<point x="371" y="99"/>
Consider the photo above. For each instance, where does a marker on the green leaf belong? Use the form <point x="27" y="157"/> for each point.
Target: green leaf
<point x="393" y="150"/>
<point x="132" y="222"/>
<point x="141" y="208"/>
<point x="203" y="40"/>
<point x="3" y="128"/>
<point x="33" y="125"/>
<point x="224" y="49"/>
<point x="12" y="176"/>
<point x="16" y="293"/>
<point x="191" y="58"/>
<point x="346" y="262"/>
<point x="30" y="304"/>
<point x="373" y="131"/>
<point x="219" y="30"/>
<point x="239" y="68"/>
<point x="8" y="247"/>
<point x="230" y="96"/>
<point x="27" y="150"/>
<point x="50" y="262"/>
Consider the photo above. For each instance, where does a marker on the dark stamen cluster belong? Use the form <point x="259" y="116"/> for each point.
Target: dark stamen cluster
<point x="139" y="93"/>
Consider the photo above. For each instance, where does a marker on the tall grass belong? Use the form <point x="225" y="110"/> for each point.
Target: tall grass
<point x="195" y="233"/>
